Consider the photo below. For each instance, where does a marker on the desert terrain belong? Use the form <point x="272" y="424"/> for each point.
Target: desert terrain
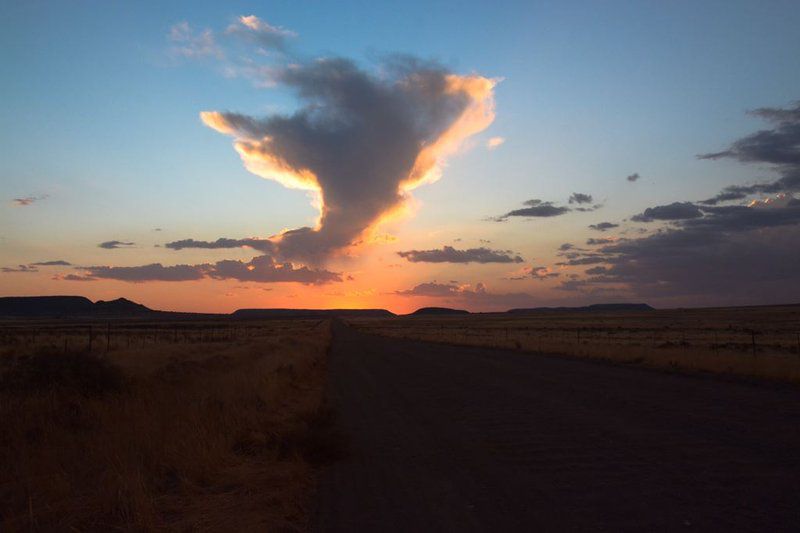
<point x="277" y="420"/>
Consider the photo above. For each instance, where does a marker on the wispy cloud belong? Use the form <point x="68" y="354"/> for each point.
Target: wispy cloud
<point x="467" y="295"/>
<point x="261" y="269"/>
<point x="58" y="262"/>
<point x="537" y="209"/>
<point x="603" y="226"/>
<point x="495" y="142"/>
<point x="27" y="200"/>
<point x="448" y="254"/>
<point x="260" y="32"/>
<point x="111" y="245"/>
<point x="263" y="245"/>
<point x="19" y="269"/>
<point x="195" y="44"/>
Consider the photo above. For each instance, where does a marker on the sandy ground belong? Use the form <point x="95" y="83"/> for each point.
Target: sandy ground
<point x="453" y="438"/>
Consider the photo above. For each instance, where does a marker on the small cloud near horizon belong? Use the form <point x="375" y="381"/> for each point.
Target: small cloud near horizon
<point x="448" y="254"/>
<point x="112" y="245"/>
<point x="27" y="200"/>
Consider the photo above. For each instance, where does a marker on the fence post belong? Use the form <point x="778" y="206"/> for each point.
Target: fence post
<point x="108" y="336"/>
<point x="90" y="339"/>
<point x="753" y="337"/>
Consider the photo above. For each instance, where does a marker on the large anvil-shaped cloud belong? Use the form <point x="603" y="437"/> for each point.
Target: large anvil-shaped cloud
<point x="360" y="142"/>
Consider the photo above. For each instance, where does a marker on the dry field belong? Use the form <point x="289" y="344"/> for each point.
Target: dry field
<point x="174" y="427"/>
<point x="757" y="341"/>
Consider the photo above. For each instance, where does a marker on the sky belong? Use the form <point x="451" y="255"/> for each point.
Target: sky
<point x="209" y="156"/>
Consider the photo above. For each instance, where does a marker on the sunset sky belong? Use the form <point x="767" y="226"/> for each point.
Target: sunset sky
<point x="488" y="155"/>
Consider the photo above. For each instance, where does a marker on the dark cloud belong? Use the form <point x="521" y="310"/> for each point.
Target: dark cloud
<point x="595" y="207"/>
<point x="51" y="263"/>
<point x="542" y="273"/>
<point x="778" y="147"/>
<point x="448" y="254"/>
<point x="535" y="208"/>
<point x="265" y="269"/>
<point x="360" y="141"/>
<point x="27" y="200"/>
<point x="32" y="267"/>
<point x="673" y="211"/>
<point x="728" y="255"/>
<point x="111" y="245"/>
<point x="584" y="260"/>
<point x="262" y="245"/>
<point x="479" y="296"/>
<point x="20" y="269"/>
<point x="566" y="246"/>
<point x="633" y="177"/>
<point x="432" y="288"/>
<point x="603" y="226"/>
<point x="755" y="265"/>
<point x="261" y="269"/>
<point x="152" y="272"/>
<point x="738" y="218"/>
<point x="595" y="242"/>
<point x="73" y="277"/>
<point x="580" y="198"/>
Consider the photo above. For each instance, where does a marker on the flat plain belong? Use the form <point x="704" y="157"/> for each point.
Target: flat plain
<point x="141" y="425"/>
<point x="747" y="341"/>
<point x="554" y="421"/>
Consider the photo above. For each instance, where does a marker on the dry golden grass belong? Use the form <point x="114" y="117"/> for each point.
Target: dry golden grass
<point x="175" y="437"/>
<point x="762" y="342"/>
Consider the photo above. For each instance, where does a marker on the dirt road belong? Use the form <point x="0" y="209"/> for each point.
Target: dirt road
<point x="446" y="438"/>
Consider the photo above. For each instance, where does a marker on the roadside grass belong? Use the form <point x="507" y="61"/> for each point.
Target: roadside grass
<point x="206" y="436"/>
<point x="756" y="342"/>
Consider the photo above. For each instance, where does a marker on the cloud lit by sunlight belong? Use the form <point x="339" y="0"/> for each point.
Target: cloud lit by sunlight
<point x="494" y="142"/>
<point x="359" y="144"/>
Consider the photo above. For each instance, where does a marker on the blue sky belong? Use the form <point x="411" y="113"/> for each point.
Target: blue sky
<point x="100" y="118"/>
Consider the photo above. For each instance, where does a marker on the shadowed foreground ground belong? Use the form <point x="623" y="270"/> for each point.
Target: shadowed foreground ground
<point x="453" y="438"/>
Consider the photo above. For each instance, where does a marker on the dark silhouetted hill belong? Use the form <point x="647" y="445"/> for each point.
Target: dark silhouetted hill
<point x="594" y="308"/>
<point x="121" y="306"/>
<point x="68" y="306"/>
<point x="438" y="311"/>
<point x="45" y="306"/>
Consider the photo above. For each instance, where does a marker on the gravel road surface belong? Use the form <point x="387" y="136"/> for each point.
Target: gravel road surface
<point x="453" y="438"/>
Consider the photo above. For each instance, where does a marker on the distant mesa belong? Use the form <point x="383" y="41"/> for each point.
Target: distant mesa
<point x="68" y="306"/>
<point x="311" y="313"/>
<point x="80" y="307"/>
<point x="594" y="308"/>
<point x="428" y="311"/>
